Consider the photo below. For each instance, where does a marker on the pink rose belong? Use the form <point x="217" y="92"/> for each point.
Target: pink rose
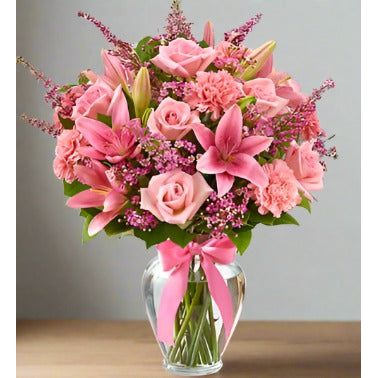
<point x="268" y="102"/>
<point x="306" y="166"/>
<point x="281" y="194"/>
<point x="174" y="197"/>
<point x="183" y="58"/>
<point x="287" y="88"/>
<point x="95" y="100"/>
<point x="67" y="155"/>
<point x="173" y="119"/>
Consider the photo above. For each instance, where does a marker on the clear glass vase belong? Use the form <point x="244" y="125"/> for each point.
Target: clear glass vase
<point x="199" y="337"/>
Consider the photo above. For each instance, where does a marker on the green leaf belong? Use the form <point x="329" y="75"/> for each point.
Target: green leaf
<point x="245" y="101"/>
<point x="306" y="203"/>
<point x="163" y="232"/>
<point x="66" y="123"/>
<point x="146" y="48"/>
<point x="285" y="218"/>
<point x="73" y="188"/>
<point x="84" y="233"/>
<point x="82" y="79"/>
<point x="104" y="119"/>
<point x="203" y="44"/>
<point x="116" y="228"/>
<point x="255" y="218"/>
<point x="241" y="240"/>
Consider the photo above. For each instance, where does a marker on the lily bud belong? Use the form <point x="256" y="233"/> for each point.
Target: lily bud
<point x="115" y="73"/>
<point x="208" y="34"/>
<point x="141" y="92"/>
<point x="258" y="58"/>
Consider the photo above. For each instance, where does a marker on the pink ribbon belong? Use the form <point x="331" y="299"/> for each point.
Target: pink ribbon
<point x="178" y="259"/>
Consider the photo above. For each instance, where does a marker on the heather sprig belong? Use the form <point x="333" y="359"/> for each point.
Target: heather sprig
<point x="53" y="129"/>
<point x="123" y="49"/>
<point x="239" y="34"/>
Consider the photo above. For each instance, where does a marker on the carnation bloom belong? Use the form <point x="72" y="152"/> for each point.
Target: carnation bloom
<point x="174" y="197"/>
<point x="105" y="192"/>
<point x="281" y="193"/>
<point x="213" y="92"/>
<point x="173" y="119"/>
<point x="67" y="154"/>
<point x="312" y="127"/>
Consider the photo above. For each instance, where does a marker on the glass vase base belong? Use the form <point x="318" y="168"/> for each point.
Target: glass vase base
<point x="193" y="371"/>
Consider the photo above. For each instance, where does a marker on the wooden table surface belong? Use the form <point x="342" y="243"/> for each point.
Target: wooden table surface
<point x="74" y="348"/>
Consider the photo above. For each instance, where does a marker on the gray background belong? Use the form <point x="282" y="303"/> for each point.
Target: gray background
<point x="306" y="272"/>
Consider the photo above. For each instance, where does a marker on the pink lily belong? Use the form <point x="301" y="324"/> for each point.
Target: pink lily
<point x="104" y="192"/>
<point x="228" y="155"/>
<point x="113" y="144"/>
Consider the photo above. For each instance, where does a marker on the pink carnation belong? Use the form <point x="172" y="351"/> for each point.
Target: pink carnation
<point x="281" y="194"/>
<point x="67" y="155"/>
<point x="312" y="128"/>
<point x="213" y="92"/>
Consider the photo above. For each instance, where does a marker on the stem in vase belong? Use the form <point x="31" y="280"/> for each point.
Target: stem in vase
<point x="186" y="320"/>
<point x="202" y="319"/>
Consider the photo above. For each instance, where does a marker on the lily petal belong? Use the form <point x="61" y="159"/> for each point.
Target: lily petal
<point x="100" y="221"/>
<point x="118" y="109"/>
<point x="245" y="166"/>
<point x="114" y="201"/>
<point x="211" y="162"/>
<point x="85" y="199"/>
<point x="96" y="133"/>
<point x="204" y="135"/>
<point x="253" y="145"/>
<point x="228" y="135"/>
<point x="224" y="183"/>
<point x="93" y="176"/>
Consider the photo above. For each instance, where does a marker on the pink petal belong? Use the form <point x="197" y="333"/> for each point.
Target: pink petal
<point x="245" y="166"/>
<point x="90" y="152"/>
<point x="211" y="162"/>
<point x="114" y="201"/>
<point x="85" y="199"/>
<point x="100" y="221"/>
<point x="96" y="133"/>
<point x="253" y="145"/>
<point x="118" y="109"/>
<point x="266" y="69"/>
<point x="93" y="176"/>
<point x="228" y="134"/>
<point x="224" y="183"/>
<point x="204" y="135"/>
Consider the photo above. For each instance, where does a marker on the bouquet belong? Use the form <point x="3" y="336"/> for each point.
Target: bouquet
<point x="187" y="144"/>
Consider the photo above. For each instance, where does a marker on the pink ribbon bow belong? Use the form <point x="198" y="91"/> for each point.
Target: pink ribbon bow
<point x="178" y="259"/>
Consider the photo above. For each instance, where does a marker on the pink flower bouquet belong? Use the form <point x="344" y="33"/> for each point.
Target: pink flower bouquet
<point x="187" y="144"/>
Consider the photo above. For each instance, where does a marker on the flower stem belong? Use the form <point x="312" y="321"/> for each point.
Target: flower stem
<point x="202" y="319"/>
<point x="185" y="323"/>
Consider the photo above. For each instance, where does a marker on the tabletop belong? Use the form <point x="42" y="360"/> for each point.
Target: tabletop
<point x="81" y="348"/>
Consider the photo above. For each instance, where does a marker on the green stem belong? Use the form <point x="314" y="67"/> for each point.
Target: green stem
<point x="214" y="342"/>
<point x="202" y="318"/>
<point x="186" y="320"/>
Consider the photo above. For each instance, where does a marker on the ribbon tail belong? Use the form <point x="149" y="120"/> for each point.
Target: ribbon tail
<point x="173" y="292"/>
<point x="220" y="293"/>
